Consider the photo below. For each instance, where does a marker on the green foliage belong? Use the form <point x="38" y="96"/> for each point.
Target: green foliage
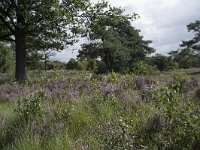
<point x="194" y="42"/>
<point x="72" y="64"/>
<point x="6" y="58"/>
<point x="185" y="58"/>
<point x="163" y="63"/>
<point x="30" y="108"/>
<point x="144" y="69"/>
<point x="121" y="136"/>
<point x="40" y="26"/>
<point x="92" y="65"/>
<point x="113" y="40"/>
<point x="189" y="54"/>
<point x="181" y="121"/>
<point x="81" y="111"/>
<point x="101" y="67"/>
<point x="55" y="65"/>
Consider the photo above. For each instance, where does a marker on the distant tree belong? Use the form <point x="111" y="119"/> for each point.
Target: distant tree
<point x="55" y="65"/>
<point x="113" y="40"/>
<point x="185" y="58"/>
<point x="6" y="58"/>
<point x="194" y="43"/>
<point x="72" y="64"/>
<point x="189" y="53"/>
<point x="47" y="22"/>
<point x="163" y="63"/>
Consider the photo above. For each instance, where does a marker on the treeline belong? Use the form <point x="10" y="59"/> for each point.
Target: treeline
<point x="33" y="32"/>
<point x="123" y="50"/>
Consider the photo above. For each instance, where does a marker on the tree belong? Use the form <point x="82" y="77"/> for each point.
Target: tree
<point x="113" y="40"/>
<point x="47" y="22"/>
<point x="185" y="58"/>
<point x="194" y="43"/>
<point x="163" y="63"/>
<point x="189" y="54"/>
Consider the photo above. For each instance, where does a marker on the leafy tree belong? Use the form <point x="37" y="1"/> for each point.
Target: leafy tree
<point x="163" y="63"/>
<point x="185" y="58"/>
<point x="194" y="43"/>
<point x="189" y="53"/>
<point x="113" y="40"/>
<point x="6" y="58"/>
<point x="54" y="65"/>
<point x="47" y="22"/>
<point x="72" y="64"/>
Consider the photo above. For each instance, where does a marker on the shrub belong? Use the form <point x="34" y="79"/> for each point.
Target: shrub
<point x="101" y="67"/>
<point x="91" y="65"/>
<point x="144" y="69"/>
<point x="30" y="108"/>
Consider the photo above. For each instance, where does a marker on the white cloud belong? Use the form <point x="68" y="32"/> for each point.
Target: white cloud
<point x="162" y="21"/>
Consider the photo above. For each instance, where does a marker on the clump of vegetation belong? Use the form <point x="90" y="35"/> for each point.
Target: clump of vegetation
<point x="77" y="110"/>
<point x="111" y="97"/>
<point x="144" y="69"/>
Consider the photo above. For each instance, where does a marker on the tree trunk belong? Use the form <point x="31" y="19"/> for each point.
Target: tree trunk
<point x="20" y="45"/>
<point x="45" y="65"/>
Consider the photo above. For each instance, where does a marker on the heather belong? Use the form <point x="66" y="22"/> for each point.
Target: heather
<point x="82" y="110"/>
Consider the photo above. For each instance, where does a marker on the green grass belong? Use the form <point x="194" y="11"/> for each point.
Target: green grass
<point x="105" y="112"/>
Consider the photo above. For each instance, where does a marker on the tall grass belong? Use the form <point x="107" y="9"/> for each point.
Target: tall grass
<point x="80" y="110"/>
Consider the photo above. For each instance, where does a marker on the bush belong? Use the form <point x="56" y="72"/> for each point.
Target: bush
<point x="144" y="69"/>
<point x="6" y="58"/>
<point x="181" y="121"/>
<point x="101" y="68"/>
<point x="92" y="65"/>
<point x="77" y="65"/>
<point x="30" y="108"/>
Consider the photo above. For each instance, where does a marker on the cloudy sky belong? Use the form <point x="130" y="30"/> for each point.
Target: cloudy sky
<point x="162" y="21"/>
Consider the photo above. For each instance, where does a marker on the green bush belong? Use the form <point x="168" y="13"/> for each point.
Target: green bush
<point x="178" y="124"/>
<point x="144" y="69"/>
<point x="101" y="68"/>
<point x="92" y="65"/>
<point x="77" y="65"/>
<point x="7" y="61"/>
<point x="30" y="108"/>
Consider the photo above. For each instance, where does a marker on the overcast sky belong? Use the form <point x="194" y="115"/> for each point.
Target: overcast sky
<point x="162" y="21"/>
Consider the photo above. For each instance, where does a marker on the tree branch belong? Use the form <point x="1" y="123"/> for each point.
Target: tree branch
<point x="7" y="24"/>
<point x="7" y="38"/>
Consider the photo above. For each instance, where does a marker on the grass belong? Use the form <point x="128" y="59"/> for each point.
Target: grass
<point x="81" y="110"/>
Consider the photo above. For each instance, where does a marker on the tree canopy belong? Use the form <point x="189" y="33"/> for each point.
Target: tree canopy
<point x="194" y="43"/>
<point x="38" y="24"/>
<point x="189" y="53"/>
<point x="113" y="39"/>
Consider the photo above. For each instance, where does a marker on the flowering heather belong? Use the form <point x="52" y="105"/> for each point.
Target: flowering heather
<point x="79" y="87"/>
<point x="145" y="83"/>
<point x="191" y="83"/>
<point x="14" y="92"/>
<point x="56" y="88"/>
<point x="110" y="89"/>
<point x="69" y="90"/>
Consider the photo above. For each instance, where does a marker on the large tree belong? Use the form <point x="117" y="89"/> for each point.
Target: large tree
<point x="48" y="22"/>
<point x="189" y="53"/>
<point x="194" y="43"/>
<point x="113" y="39"/>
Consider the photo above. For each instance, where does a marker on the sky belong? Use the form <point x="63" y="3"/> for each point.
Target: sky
<point x="161" y="21"/>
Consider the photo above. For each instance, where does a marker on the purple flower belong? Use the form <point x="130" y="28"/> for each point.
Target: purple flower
<point x="111" y="89"/>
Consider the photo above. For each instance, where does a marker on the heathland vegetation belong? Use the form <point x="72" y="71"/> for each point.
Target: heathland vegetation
<point x="115" y="95"/>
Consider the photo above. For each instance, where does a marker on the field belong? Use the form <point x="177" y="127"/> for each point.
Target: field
<point x="63" y="110"/>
